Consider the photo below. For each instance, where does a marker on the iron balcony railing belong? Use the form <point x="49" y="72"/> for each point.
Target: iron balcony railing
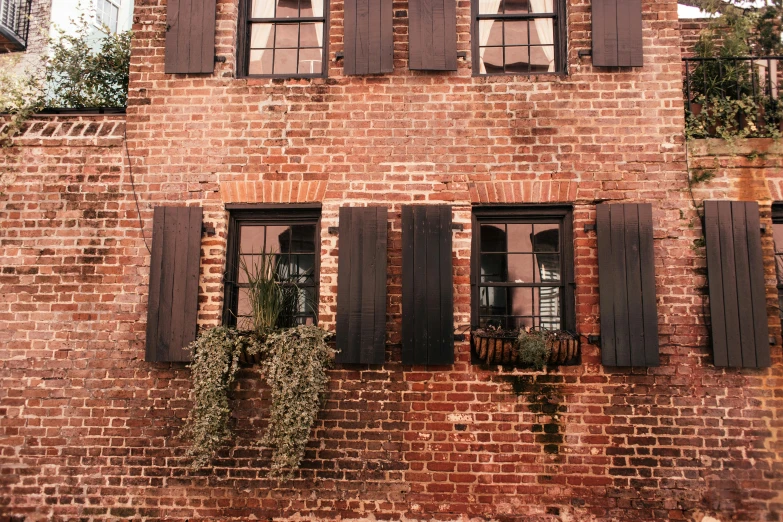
<point x="734" y="94"/>
<point x="14" y="24"/>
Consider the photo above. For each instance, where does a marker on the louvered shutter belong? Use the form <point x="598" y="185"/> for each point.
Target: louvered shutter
<point x="617" y="33"/>
<point x="369" y="37"/>
<point x="626" y="278"/>
<point x="190" y="36"/>
<point x="361" y="285"/>
<point x="172" y="308"/>
<point x="427" y="285"/>
<point x="735" y="270"/>
<point x="432" y="35"/>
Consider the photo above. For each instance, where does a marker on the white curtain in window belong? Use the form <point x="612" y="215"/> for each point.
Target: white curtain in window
<point x="263" y="9"/>
<point x="485" y="26"/>
<point x="318" y="11"/>
<point x="542" y="25"/>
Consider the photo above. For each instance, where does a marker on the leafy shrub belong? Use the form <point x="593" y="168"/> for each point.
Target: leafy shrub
<point x="533" y="349"/>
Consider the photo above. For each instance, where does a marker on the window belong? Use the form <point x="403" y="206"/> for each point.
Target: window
<point x="286" y="237"/>
<point x="518" y="36"/>
<point x="522" y="268"/>
<point x="777" y="232"/>
<point x="283" y="38"/>
<point x="106" y="14"/>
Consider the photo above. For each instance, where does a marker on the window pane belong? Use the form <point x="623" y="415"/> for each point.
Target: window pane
<point x="547" y="237"/>
<point x="493" y="301"/>
<point x="491" y="60"/>
<point x="263" y="9"/>
<point x="255" y="265"/>
<point x="517" y="60"/>
<point x="493" y="238"/>
<point x="520" y="237"/>
<point x="490" y="6"/>
<point x="285" y="61"/>
<point x="310" y="61"/>
<point x="516" y="6"/>
<point x="310" y="34"/>
<point x="546" y="302"/>
<point x="777" y="233"/>
<point x="542" y="31"/>
<point x="303" y="238"/>
<point x="243" y="305"/>
<point x="542" y="6"/>
<point x="306" y="8"/>
<point x="262" y="35"/>
<point x="542" y="59"/>
<point x="286" y="35"/>
<point x="278" y="238"/>
<point x="260" y="62"/>
<point x="520" y="268"/>
<point x="287" y="9"/>
<point x="521" y="301"/>
<point x="516" y="32"/>
<point x="491" y="32"/>
<point x="302" y="267"/>
<point x="547" y="268"/>
<point x="493" y="268"/>
<point x="251" y="239"/>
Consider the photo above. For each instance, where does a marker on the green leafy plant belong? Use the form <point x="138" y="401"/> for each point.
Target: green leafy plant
<point x="272" y="292"/>
<point x="533" y="349"/>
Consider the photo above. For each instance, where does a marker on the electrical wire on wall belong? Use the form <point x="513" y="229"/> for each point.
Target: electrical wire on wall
<point x="133" y="188"/>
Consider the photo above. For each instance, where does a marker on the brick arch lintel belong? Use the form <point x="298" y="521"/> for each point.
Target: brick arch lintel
<point x="272" y="191"/>
<point x="527" y="191"/>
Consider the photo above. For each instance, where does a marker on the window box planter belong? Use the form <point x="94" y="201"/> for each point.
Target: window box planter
<point x="499" y="347"/>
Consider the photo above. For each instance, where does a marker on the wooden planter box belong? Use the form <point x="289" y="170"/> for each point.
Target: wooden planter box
<point x="499" y="347"/>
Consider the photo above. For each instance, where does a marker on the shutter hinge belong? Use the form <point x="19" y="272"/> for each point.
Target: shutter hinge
<point x="457" y="226"/>
<point x="459" y="337"/>
<point x="339" y="55"/>
<point x="772" y="340"/>
<point x="333" y="230"/>
<point x="210" y="231"/>
<point x="462" y="54"/>
<point x="585" y="52"/>
<point x="763" y="228"/>
<point x="220" y="59"/>
<point x="594" y="339"/>
<point x="590" y="227"/>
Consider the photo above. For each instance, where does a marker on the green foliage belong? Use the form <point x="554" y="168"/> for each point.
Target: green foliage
<point x="295" y="369"/>
<point x="273" y="294"/>
<point x="532" y="348"/>
<point x="215" y="363"/>
<point x="725" y="117"/>
<point x="699" y="176"/>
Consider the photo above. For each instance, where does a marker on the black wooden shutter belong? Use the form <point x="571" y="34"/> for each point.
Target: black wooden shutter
<point x="427" y="285"/>
<point x="735" y="270"/>
<point x="617" y="33"/>
<point x="626" y="278"/>
<point x="190" y="36"/>
<point x="361" y="285"/>
<point x="172" y="308"/>
<point x="432" y="35"/>
<point x="369" y="37"/>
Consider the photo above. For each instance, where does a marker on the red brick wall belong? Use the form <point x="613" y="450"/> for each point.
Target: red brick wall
<point x="88" y="428"/>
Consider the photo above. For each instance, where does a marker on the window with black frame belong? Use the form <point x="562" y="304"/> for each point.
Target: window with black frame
<point x="523" y="269"/>
<point x="285" y="241"/>
<point x="518" y="36"/>
<point x="284" y="38"/>
<point x="777" y="233"/>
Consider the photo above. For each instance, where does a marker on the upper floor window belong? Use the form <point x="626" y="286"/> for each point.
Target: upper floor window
<point x="518" y="36"/>
<point x="777" y="230"/>
<point x="106" y="14"/>
<point x="283" y="38"/>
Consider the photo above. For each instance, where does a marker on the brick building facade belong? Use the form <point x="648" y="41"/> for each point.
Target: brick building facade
<point x="88" y="428"/>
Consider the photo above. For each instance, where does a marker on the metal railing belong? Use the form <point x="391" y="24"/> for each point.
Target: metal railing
<point x="15" y="23"/>
<point x="754" y="81"/>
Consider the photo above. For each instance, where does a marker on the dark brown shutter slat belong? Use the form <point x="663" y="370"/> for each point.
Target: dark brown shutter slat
<point x="626" y="275"/>
<point x="427" y="285"/>
<point x="368" y="37"/>
<point x="432" y="35"/>
<point x="361" y="285"/>
<point x="190" y="36"/>
<point x="617" y="33"/>
<point x="172" y="311"/>
<point x="735" y="272"/>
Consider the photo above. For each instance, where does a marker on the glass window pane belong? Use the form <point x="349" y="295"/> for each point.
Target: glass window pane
<point x="262" y="35"/>
<point x="302" y="266"/>
<point x="517" y="60"/>
<point x="516" y="6"/>
<point x="521" y="301"/>
<point x="520" y="237"/>
<point x="490" y="7"/>
<point x="251" y="239"/>
<point x="306" y="8"/>
<point x="287" y="9"/>
<point x="493" y="268"/>
<point x="493" y="238"/>
<point x="542" y="32"/>
<point x="547" y="237"/>
<point x="516" y="32"/>
<point x="286" y="35"/>
<point x="547" y="267"/>
<point x="491" y="32"/>
<point x="491" y="60"/>
<point x="260" y="62"/>
<point x="493" y="301"/>
<point x="777" y="232"/>
<point x="310" y="61"/>
<point x="303" y="238"/>
<point x="263" y="9"/>
<point x="310" y="35"/>
<point x="285" y="61"/>
<point x="546" y="301"/>
<point x="243" y="304"/>
<point x="542" y="59"/>
<point x="278" y="238"/>
<point x="542" y="6"/>
<point x="520" y="268"/>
